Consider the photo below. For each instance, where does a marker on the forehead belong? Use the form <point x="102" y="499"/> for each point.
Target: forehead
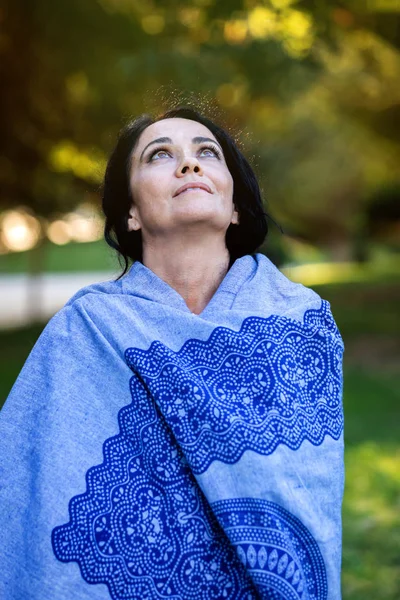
<point x="179" y="130"/>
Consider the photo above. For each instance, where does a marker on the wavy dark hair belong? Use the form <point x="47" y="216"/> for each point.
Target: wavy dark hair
<point x="240" y="239"/>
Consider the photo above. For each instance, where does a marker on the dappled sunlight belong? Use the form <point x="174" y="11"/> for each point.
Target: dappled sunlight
<point x="297" y="32"/>
<point x="67" y="157"/>
<point x="280" y="4"/>
<point x="302" y="252"/>
<point x="191" y="16"/>
<point x="341" y="272"/>
<point x="153" y="24"/>
<point x="320" y="273"/>
<point x="291" y="27"/>
<point x="364" y="67"/>
<point x="262" y="22"/>
<point x="235" y="31"/>
<point x="384" y="5"/>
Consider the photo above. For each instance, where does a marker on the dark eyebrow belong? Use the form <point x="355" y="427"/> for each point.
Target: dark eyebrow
<point x="162" y="140"/>
<point x="200" y="140"/>
<point x="167" y="140"/>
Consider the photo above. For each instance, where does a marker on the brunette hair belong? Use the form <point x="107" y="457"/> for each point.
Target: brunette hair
<point x="241" y="239"/>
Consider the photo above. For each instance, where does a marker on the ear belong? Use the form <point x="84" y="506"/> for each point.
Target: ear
<point x="133" y="220"/>
<point x="235" y="218"/>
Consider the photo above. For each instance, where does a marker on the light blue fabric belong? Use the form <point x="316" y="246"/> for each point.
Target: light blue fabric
<point x="147" y="452"/>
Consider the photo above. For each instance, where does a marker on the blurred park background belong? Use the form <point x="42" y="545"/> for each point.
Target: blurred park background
<point x="311" y="89"/>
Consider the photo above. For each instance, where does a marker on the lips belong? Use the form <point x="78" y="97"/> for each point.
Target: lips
<point x="193" y="184"/>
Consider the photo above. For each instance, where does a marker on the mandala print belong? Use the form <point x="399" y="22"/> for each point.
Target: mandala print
<point x="144" y="528"/>
<point x="276" y="381"/>
<point x="277" y="550"/>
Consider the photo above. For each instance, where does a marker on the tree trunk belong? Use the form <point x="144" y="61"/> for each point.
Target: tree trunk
<point x="37" y="260"/>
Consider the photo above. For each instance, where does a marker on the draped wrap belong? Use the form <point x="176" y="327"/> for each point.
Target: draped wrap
<point x="150" y="453"/>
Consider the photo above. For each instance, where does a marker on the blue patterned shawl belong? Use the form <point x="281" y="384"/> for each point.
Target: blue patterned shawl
<point x="150" y="453"/>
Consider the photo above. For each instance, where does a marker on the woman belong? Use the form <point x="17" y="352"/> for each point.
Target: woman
<point x="177" y="433"/>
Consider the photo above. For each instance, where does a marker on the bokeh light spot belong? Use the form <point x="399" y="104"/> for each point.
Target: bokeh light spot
<point x="235" y="31"/>
<point x="262" y="22"/>
<point x="153" y="24"/>
<point x="19" y="230"/>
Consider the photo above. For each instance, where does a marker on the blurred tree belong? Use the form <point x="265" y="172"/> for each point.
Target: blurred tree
<point x="310" y="86"/>
<point x="383" y="215"/>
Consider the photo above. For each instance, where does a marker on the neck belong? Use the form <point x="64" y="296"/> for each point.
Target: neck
<point x="195" y="269"/>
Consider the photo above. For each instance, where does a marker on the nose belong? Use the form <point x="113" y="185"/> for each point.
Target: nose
<point x="189" y="164"/>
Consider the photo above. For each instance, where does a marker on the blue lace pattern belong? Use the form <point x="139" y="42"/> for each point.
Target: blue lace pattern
<point x="145" y="530"/>
<point x="278" y="552"/>
<point x="276" y="381"/>
<point x="143" y="527"/>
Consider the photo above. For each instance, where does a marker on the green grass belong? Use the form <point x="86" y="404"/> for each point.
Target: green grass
<point x="372" y="407"/>
<point x="365" y="308"/>
<point x="15" y="346"/>
<point x="369" y="321"/>
<point x="371" y="522"/>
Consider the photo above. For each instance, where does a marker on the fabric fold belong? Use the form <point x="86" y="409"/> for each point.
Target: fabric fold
<point x="146" y="452"/>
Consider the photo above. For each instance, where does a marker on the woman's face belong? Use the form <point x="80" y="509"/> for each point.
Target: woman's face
<point x="179" y="179"/>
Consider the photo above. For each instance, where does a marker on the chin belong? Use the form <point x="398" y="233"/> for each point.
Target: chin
<point x="207" y="215"/>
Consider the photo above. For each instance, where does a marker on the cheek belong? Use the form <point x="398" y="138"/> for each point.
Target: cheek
<point x="226" y="184"/>
<point x="149" y="194"/>
<point x="145" y="189"/>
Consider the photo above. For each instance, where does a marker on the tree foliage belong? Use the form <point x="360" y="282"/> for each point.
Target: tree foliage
<point x="311" y="87"/>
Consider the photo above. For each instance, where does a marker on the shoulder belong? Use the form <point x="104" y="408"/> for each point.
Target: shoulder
<point x="101" y="289"/>
<point x="77" y="316"/>
<point x="282" y="292"/>
<point x="295" y="300"/>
